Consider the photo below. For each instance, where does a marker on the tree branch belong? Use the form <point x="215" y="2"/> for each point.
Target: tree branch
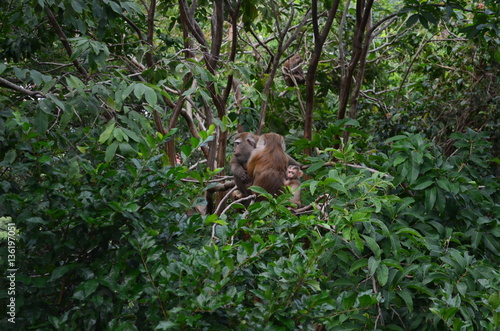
<point x="151" y="31"/>
<point x="319" y="39"/>
<point x="7" y="84"/>
<point x="64" y="41"/>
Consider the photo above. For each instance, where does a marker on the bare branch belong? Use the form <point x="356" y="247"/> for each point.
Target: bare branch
<point x="7" y="84"/>
<point x="151" y="31"/>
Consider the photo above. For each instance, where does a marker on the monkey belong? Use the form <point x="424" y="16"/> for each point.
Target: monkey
<point x="268" y="163"/>
<point x="244" y="144"/>
<point x="236" y="194"/>
<point x="293" y="174"/>
<point x="292" y="71"/>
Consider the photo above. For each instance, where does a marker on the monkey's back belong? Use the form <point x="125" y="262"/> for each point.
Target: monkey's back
<point x="268" y="168"/>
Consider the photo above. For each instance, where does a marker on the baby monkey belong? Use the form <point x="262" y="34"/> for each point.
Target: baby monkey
<point x="293" y="174"/>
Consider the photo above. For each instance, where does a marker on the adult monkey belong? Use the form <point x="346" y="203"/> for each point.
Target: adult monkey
<point x="268" y="163"/>
<point x="244" y="144"/>
<point x="292" y="71"/>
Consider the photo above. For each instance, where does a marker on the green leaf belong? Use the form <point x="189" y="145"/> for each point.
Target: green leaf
<point x="36" y="76"/>
<point x="139" y="90"/>
<point x="119" y="135"/>
<point x="314" y="167"/>
<point x="414" y="171"/>
<point x="9" y="157"/>
<point x="107" y="133"/>
<point x="407" y="298"/>
<point x="127" y="149"/>
<point x="110" y="151"/>
<point x="422" y="183"/>
<point x="367" y="300"/>
<point x="375" y="248"/>
<point x="444" y="183"/>
<point x="75" y="83"/>
<point x="361" y="263"/>
<point x="115" y="7"/>
<point x="412" y="20"/>
<point x="399" y="159"/>
<point x="373" y="264"/>
<point x="41" y="123"/>
<point x="423" y="21"/>
<point x="430" y="198"/>
<point x="313" y="184"/>
<point x="459" y="258"/>
<point x="57" y="102"/>
<point x="393" y="263"/>
<point x="61" y="271"/>
<point x="78" y="6"/>
<point x="242" y="255"/>
<point x="131" y="135"/>
<point x="382" y="274"/>
<point x="20" y="73"/>
<point x="132" y="207"/>
<point x="494" y="300"/>
<point x="189" y="91"/>
<point x="86" y="289"/>
<point x="167" y="325"/>
<point x="150" y="95"/>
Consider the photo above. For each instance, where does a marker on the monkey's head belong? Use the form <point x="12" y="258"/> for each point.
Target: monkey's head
<point x="293" y="172"/>
<point x="271" y="141"/>
<point x="244" y="144"/>
<point x="296" y="59"/>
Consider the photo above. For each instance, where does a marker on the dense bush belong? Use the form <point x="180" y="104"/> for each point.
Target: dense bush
<point x="115" y="118"/>
<point x="106" y="245"/>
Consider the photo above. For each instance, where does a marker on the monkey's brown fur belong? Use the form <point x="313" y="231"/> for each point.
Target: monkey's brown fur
<point x="292" y="70"/>
<point x="268" y="163"/>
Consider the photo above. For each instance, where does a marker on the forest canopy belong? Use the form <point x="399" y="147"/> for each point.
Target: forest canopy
<point x="117" y="127"/>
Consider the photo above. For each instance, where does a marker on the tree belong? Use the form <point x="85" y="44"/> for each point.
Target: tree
<point x="114" y="124"/>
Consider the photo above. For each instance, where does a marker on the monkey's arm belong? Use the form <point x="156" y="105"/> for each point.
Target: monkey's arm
<point x="291" y="161"/>
<point x="239" y="172"/>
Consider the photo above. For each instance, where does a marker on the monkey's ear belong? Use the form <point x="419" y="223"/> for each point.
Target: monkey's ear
<point x="252" y="142"/>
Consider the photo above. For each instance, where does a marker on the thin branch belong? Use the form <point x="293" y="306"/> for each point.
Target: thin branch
<point x="415" y="56"/>
<point x="193" y="26"/>
<point x="7" y="84"/>
<point x="282" y="46"/>
<point x="134" y="27"/>
<point x="64" y="41"/>
<point x="193" y="130"/>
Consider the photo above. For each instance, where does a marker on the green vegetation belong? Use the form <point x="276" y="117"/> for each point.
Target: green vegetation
<point x="116" y="119"/>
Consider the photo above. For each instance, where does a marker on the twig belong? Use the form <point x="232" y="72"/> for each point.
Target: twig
<point x="12" y="86"/>
<point x="64" y="41"/>
<point x="223" y="200"/>
<point x="253" y="196"/>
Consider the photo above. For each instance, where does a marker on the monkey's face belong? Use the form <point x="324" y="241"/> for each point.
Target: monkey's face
<point x="241" y="150"/>
<point x="244" y="144"/>
<point x="293" y="172"/>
